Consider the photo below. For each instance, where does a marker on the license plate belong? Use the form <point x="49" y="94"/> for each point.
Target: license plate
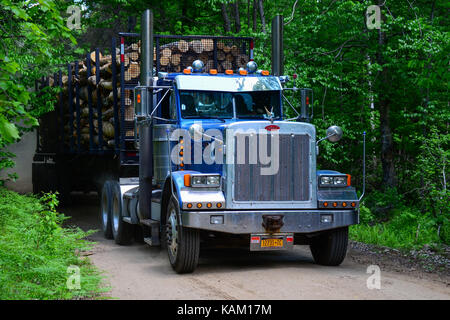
<point x="272" y="243"/>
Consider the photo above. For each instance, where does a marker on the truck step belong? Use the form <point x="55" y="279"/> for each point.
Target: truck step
<point x="152" y="242"/>
<point x="150" y="223"/>
<point x="127" y="219"/>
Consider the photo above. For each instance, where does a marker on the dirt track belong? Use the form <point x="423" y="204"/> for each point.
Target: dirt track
<point x="141" y="272"/>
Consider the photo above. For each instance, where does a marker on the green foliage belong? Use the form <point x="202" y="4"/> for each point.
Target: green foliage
<point x="35" y="251"/>
<point x="34" y="39"/>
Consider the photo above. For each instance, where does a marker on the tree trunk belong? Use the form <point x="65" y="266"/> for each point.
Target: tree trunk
<point x="248" y="14"/>
<point x="226" y="19"/>
<point x="237" y="18"/>
<point x="261" y="14"/>
<point x="387" y="146"/>
<point x="255" y="11"/>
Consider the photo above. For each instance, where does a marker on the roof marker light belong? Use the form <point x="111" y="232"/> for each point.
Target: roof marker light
<point x="212" y="71"/>
<point x="243" y="72"/>
<point x="265" y="73"/>
<point x="228" y="71"/>
<point x="187" y="71"/>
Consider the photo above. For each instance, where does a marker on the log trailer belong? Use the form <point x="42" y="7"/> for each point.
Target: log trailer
<point x="207" y="153"/>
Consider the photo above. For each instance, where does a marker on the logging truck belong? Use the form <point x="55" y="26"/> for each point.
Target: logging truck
<point x="188" y="144"/>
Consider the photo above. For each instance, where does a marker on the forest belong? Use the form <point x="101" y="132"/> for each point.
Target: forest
<point x="389" y="80"/>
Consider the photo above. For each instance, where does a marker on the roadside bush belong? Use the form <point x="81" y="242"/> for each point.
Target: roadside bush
<point x="36" y="251"/>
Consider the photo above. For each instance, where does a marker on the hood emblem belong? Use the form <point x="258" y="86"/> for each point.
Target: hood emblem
<point x="272" y="127"/>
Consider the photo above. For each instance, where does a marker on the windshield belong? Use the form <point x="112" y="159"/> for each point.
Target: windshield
<point x="245" y="105"/>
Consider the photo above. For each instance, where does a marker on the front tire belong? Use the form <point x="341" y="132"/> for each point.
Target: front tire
<point x="122" y="231"/>
<point x="183" y="244"/>
<point x="330" y="248"/>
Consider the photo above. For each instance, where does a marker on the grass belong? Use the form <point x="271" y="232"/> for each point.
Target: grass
<point x="36" y="252"/>
<point x="405" y="230"/>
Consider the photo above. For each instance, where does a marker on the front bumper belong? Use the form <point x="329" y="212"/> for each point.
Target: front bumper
<point x="246" y="222"/>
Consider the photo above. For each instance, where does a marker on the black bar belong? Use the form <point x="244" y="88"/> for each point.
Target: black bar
<point x="122" y="107"/>
<point x="70" y="89"/>
<point x="157" y="56"/>
<point x="114" y="86"/>
<point x="91" y="111"/>
<point x="99" y="101"/>
<point x="61" y="111"/>
<point x="77" y="103"/>
<point x="215" y="54"/>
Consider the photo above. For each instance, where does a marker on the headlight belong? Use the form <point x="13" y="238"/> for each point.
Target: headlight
<point x="202" y="180"/>
<point x="334" y="181"/>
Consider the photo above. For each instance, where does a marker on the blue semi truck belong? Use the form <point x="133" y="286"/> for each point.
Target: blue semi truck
<point x="213" y="155"/>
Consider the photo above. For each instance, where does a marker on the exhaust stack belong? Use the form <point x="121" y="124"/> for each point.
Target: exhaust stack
<point x="145" y="127"/>
<point x="277" y="46"/>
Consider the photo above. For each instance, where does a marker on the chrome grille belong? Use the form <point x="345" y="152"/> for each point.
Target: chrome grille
<point x="290" y="183"/>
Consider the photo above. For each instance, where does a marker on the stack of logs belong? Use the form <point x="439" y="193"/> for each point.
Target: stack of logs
<point x="178" y="55"/>
<point x="173" y="57"/>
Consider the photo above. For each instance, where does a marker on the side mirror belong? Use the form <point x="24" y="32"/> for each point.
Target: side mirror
<point x="334" y="133"/>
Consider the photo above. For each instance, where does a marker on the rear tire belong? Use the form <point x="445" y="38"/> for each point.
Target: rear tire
<point x="123" y="232"/>
<point x="330" y="248"/>
<point x="105" y="210"/>
<point x="183" y="244"/>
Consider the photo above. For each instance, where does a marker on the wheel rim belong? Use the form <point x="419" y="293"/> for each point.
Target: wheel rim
<point x="116" y="214"/>
<point x="104" y="210"/>
<point x="172" y="233"/>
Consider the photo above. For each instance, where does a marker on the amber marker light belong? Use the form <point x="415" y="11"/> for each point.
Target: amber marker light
<point x="187" y="180"/>
<point x="213" y="71"/>
<point x="353" y="204"/>
<point x="189" y="205"/>
<point x="228" y="71"/>
<point x="265" y="73"/>
<point x="199" y="205"/>
<point x="349" y="180"/>
<point x="334" y="204"/>
<point x="325" y="204"/>
<point x="344" y="204"/>
<point x="243" y="72"/>
<point x="219" y="205"/>
<point x="187" y="71"/>
<point x="209" y="204"/>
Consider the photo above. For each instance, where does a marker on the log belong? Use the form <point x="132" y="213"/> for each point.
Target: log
<point x="227" y="65"/>
<point x="196" y="46"/>
<point x="107" y="85"/>
<point x="164" y="61"/>
<point x="241" y="60"/>
<point x="234" y="50"/>
<point x="134" y="69"/>
<point x="175" y="59"/>
<point x="134" y="55"/>
<point x="220" y="55"/>
<point x="182" y="46"/>
<point x="166" y="52"/>
<point x="93" y="56"/>
<point x="207" y="44"/>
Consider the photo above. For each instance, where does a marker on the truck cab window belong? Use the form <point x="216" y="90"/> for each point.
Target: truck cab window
<point x="205" y="104"/>
<point x="257" y="104"/>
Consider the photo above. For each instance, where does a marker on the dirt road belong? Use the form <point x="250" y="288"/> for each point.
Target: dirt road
<point x="141" y="272"/>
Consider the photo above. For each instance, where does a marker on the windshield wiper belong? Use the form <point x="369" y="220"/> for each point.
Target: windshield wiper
<point x="205" y="117"/>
